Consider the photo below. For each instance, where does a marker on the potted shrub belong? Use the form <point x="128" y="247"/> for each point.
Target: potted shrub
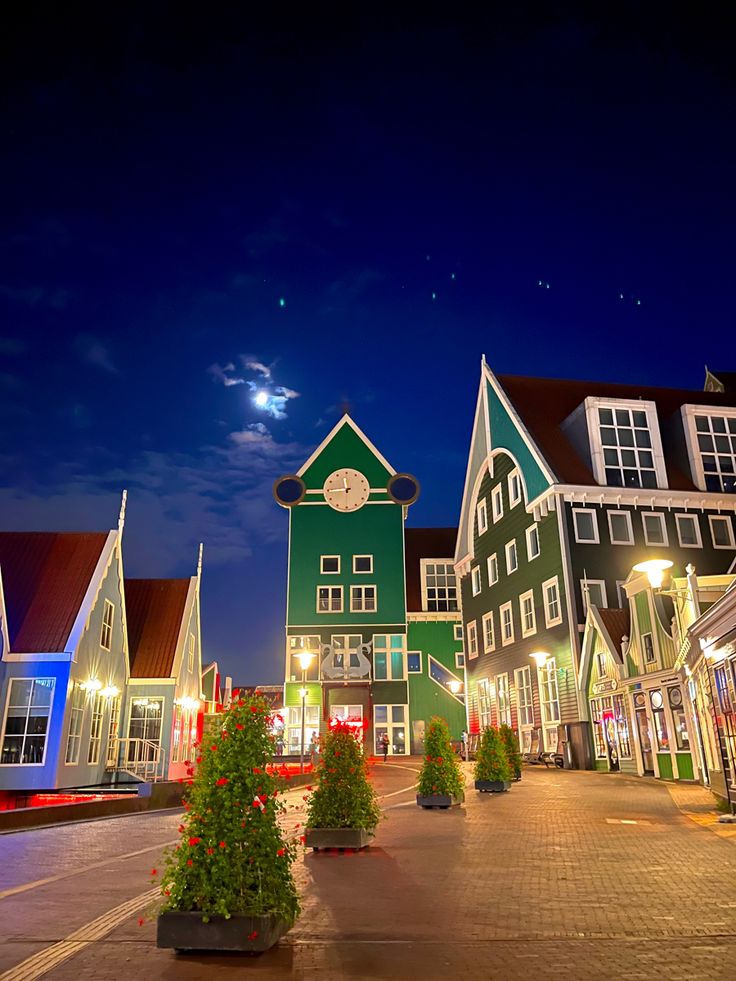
<point x="440" y="780"/>
<point x="492" y="771"/>
<point x="343" y="810"/>
<point x="228" y="885"/>
<point x="511" y="745"/>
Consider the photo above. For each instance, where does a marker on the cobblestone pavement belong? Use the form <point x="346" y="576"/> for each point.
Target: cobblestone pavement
<point x="570" y="875"/>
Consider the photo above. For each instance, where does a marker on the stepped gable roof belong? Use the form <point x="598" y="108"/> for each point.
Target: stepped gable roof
<point x="45" y="578"/>
<point x="154" y="609"/>
<point x="727" y="379"/>
<point x="424" y="543"/>
<point x="618" y="625"/>
<point x="543" y="404"/>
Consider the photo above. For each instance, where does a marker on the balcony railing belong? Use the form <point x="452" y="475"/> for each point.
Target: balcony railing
<point x="141" y="758"/>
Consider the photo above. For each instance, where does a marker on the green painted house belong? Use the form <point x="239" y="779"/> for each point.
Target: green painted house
<point x="347" y="601"/>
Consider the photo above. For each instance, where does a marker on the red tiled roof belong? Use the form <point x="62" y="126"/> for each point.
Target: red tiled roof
<point x="154" y="609"/>
<point x="618" y="625"/>
<point x="45" y="578"/>
<point x="545" y="403"/>
<point x="424" y="543"/>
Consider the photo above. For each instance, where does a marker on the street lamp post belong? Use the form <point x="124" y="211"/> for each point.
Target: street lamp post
<point x="305" y="659"/>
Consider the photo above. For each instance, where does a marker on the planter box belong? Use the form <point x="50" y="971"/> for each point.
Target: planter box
<point x="187" y="931"/>
<point x="317" y="838"/>
<point x="492" y="786"/>
<point x="439" y="800"/>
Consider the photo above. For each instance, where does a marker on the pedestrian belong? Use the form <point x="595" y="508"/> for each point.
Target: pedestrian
<point x="464" y="750"/>
<point x="384" y="746"/>
<point x="313" y="749"/>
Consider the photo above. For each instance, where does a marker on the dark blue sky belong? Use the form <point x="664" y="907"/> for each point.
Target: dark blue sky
<point x="403" y="186"/>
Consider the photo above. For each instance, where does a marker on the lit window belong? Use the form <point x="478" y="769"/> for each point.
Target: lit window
<point x="497" y="503"/>
<point x="475" y="580"/>
<point x="503" y="700"/>
<point x="526" y="611"/>
<point x="296" y="646"/>
<point x="507" y="624"/>
<point x="619" y="528"/>
<point x="390" y="721"/>
<point x="716" y="437"/>
<point x="489" y="633"/>
<point x="492" y="570"/>
<point x="721" y="531"/>
<point x="95" y="729"/>
<point x="389" y="657"/>
<point x="552" y="608"/>
<point x="414" y="662"/>
<point x="472" y="639"/>
<point x="515" y="493"/>
<point x="524" y="696"/>
<point x="362" y="599"/>
<point x="586" y="525"/>
<point x="484" y="703"/>
<point x="594" y="594"/>
<point x="106" y="633"/>
<point x="627" y="448"/>
<point x="329" y="565"/>
<point x="532" y="542"/>
<point x="439" y="586"/>
<point x="688" y="530"/>
<point x="550" y="699"/>
<point x="482" y="517"/>
<point x="512" y="557"/>
<point x="362" y="564"/>
<point x="655" y="528"/>
<point x="76" y="721"/>
<point x="329" y="599"/>
<point x="27" y="721"/>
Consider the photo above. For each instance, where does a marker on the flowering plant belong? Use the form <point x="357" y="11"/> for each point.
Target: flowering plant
<point x="345" y="797"/>
<point x="440" y="773"/>
<point x="491" y="762"/>
<point x="232" y="856"/>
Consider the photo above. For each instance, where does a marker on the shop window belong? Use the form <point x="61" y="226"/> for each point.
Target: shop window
<point x="390" y="720"/>
<point x="660" y="720"/>
<point x="294" y="728"/>
<point x="679" y="719"/>
<point x="622" y="727"/>
<point x="27" y="720"/>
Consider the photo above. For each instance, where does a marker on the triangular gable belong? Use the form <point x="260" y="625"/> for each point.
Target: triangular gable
<point x="596" y="630"/>
<point x="346" y="445"/>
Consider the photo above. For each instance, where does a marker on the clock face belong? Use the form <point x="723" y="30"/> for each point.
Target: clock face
<point x="346" y="490"/>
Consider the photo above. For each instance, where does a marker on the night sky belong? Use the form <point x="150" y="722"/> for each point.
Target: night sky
<point x="347" y="210"/>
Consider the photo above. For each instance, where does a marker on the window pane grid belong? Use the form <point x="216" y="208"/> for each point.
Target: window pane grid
<point x="440" y="584"/>
<point x="717" y="446"/>
<point x="627" y="448"/>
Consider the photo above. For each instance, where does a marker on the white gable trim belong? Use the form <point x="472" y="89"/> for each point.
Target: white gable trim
<point x="90" y="597"/>
<point x="182" y="640"/>
<point x="461" y="548"/>
<point x="4" y="635"/>
<point x="593" y="622"/>
<point x="345" y="421"/>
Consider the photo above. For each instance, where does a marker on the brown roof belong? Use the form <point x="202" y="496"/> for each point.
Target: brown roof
<point x="424" y="543"/>
<point x="618" y="625"/>
<point x="154" y="609"/>
<point x="545" y="403"/>
<point x="45" y="578"/>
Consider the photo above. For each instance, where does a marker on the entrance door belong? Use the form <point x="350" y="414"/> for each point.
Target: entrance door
<point x="609" y="734"/>
<point x="645" y="741"/>
<point x="417" y="737"/>
<point x="145" y="724"/>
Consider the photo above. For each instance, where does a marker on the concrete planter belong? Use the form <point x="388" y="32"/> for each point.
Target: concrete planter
<point x="249" y="934"/>
<point x="442" y="801"/>
<point x="492" y="786"/>
<point x="357" y="838"/>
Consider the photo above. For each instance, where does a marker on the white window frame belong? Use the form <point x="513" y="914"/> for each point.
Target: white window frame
<point x="586" y="541"/>
<point x="533" y="530"/>
<point x="77" y="712"/>
<point x="503" y="699"/>
<point x="551" y="621"/>
<point x="459" y="660"/>
<point x="593" y="404"/>
<point x="28" y="713"/>
<point x="528" y="596"/>
<point x="627" y="516"/>
<point x="481" y="512"/>
<point x="333" y="572"/>
<point x="497" y="503"/>
<point x="390" y="725"/>
<point x="489" y="642"/>
<point x="387" y="648"/>
<point x="457" y="631"/>
<point x="514" y="481"/>
<point x="447" y="600"/>
<point x="506" y="607"/>
<point x="689" y="516"/>
<point x="472" y="631"/>
<point x="547" y="676"/>
<point x="475" y="580"/>
<point x="507" y="548"/>
<point x="360" y="589"/>
<point x="621" y="594"/>
<point x="662" y="525"/>
<point x="113" y="732"/>
<point x="485" y="717"/>
<point x="584" y="592"/>
<point x="729" y="523"/>
<point x="646" y="661"/>
<point x="342" y="600"/>
<point x="492" y="566"/>
<point x="689" y="412"/>
<point x="108" y="619"/>
<point x="525" y="706"/>
<point x="362" y="572"/>
<point x="421" y="663"/>
<point x="96" y="728"/>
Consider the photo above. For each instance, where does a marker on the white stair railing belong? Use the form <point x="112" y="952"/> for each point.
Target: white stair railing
<point x="141" y="758"/>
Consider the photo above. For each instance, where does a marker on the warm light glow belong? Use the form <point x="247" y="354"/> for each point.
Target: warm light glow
<point x="541" y="657"/>
<point x="305" y="658"/>
<point x="94" y="684"/>
<point x="261" y="399"/>
<point x="188" y="703"/>
<point x="110" y="692"/>
<point x="454" y="686"/>
<point x="654" y="569"/>
<point x="303" y="692"/>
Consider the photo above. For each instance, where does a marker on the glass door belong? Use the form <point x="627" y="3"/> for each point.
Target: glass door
<point x="145" y="724"/>
<point x="645" y="740"/>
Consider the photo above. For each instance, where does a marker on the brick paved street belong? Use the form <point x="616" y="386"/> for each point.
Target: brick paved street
<point x="543" y="882"/>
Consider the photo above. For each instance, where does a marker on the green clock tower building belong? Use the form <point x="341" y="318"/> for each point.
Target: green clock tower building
<point x="347" y="602"/>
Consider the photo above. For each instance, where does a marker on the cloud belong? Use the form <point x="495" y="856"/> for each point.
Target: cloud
<point x="252" y="364"/>
<point x="94" y="352"/>
<point x="11" y="346"/>
<point x="269" y="397"/>
<point x="221" y="374"/>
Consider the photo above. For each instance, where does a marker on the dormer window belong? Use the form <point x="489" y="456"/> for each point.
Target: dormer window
<point x="711" y="438"/>
<point x="625" y="445"/>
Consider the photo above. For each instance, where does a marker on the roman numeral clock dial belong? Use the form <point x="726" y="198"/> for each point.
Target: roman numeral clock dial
<point x="346" y="490"/>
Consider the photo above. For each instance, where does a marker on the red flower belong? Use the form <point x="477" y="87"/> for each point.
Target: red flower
<point x="439" y="759"/>
<point x="303" y="839"/>
<point x="297" y="826"/>
<point x="213" y="747"/>
<point x="181" y="828"/>
<point x="222" y="781"/>
<point x="252" y="936"/>
<point x="210" y="851"/>
<point x="187" y="762"/>
<point x="239" y="725"/>
<point x="280" y="852"/>
<point x="199" y="759"/>
<point x="194" y="841"/>
<point x="190" y="862"/>
<point x="429" y="759"/>
<point x="154" y="871"/>
<point x="308" y="788"/>
<point x="141" y="921"/>
<point x="223" y="844"/>
<point x="253" y="709"/>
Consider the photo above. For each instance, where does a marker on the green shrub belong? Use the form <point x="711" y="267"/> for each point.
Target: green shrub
<point x="440" y="773"/>
<point x="344" y="797"/>
<point x="491" y="762"/>
<point x="511" y="745"/>
<point x="232" y="857"/>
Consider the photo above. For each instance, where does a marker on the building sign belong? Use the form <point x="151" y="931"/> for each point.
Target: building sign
<point x="600" y="687"/>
